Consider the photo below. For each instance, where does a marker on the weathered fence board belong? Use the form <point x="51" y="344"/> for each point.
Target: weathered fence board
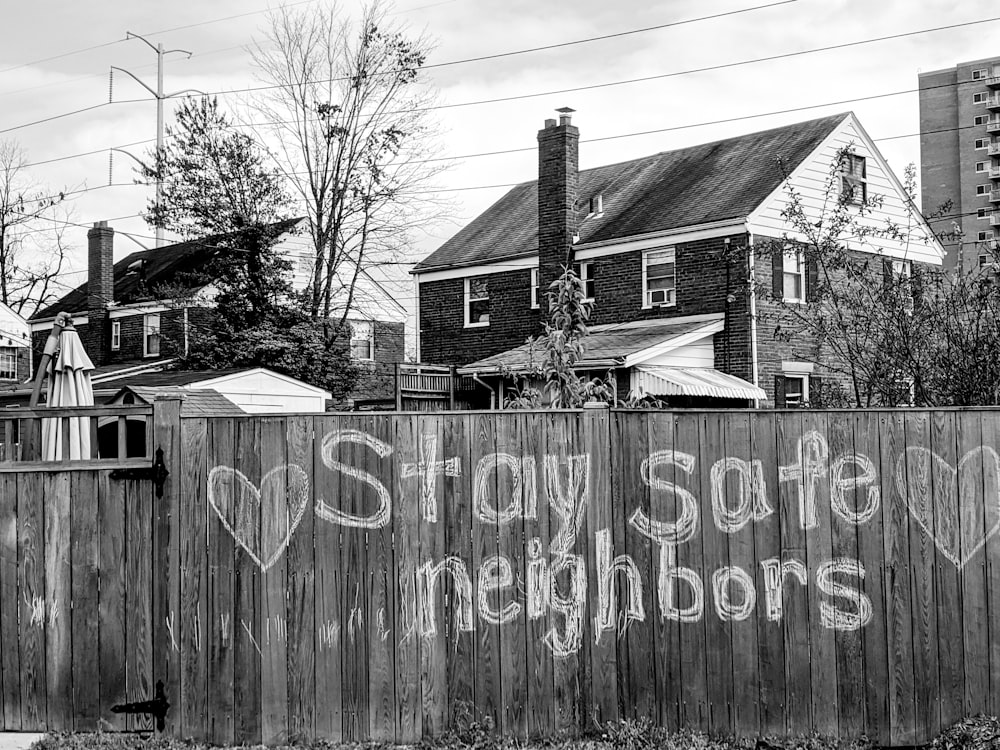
<point x="386" y="577"/>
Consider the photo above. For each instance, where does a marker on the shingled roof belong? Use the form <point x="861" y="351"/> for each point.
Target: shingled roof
<point x="179" y="264"/>
<point x="700" y="184"/>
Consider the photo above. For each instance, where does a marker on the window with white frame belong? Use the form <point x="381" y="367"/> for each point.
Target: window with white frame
<point x="585" y="271"/>
<point x="362" y="339"/>
<point x="534" y="289"/>
<point x="796" y="390"/>
<point x="980" y="119"/>
<point x="659" y="277"/>
<point x="853" y="179"/>
<point x="985" y="235"/>
<point x="8" y="363"/>
<point x="980" y="97"/>
<point x="116" y="335"/>
<point x="151" y="335"/>
<point x="980" y="166"/>
<point x="978" y="75"/>
<point x="982" y="143"/>
<point x="793" y="276"/>
<point x="477" y="301"/>
<point x="982" y="213"/>
<point x="982" y="189"/>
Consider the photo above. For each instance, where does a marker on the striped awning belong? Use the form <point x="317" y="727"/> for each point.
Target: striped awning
<point x="691" y="381"/>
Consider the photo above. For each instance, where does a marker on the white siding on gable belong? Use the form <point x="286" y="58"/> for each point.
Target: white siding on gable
<point x="696" y="354"/>
<point x="811" y="180"/>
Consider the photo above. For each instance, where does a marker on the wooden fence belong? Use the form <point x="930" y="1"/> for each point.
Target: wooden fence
<point x="387" y="576"/>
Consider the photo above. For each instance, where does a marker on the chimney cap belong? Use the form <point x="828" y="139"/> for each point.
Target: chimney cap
<point x="100" y="224"/>
<point x="565" y="110"/>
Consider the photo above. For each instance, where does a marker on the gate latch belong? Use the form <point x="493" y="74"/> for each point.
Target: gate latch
<point x="157" y="472"/>
<point x="157" y="707"/>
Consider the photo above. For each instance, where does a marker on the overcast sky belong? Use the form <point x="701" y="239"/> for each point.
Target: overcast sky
<point x="39" y="79"/>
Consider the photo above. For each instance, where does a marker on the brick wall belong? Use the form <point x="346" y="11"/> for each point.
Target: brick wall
<point x="708" y="272"/>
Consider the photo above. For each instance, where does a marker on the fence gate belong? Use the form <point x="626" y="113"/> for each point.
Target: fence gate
<point x="76" y="567"/>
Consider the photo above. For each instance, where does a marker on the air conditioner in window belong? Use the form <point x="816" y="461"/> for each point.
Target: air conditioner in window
<point x="659" y="297"/>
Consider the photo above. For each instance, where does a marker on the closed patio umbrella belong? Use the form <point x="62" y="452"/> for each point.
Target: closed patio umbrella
<point x="69" y="386"/>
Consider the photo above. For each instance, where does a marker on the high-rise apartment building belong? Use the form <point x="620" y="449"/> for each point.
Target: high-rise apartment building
<point x="960" y="159"/>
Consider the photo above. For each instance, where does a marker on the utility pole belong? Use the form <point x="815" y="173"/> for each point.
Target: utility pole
<point x="159" y="96"/>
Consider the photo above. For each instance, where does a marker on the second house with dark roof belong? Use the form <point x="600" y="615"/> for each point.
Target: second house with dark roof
<point x="667" y="248"/>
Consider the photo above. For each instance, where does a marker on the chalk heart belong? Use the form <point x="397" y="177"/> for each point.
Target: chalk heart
<point x="261" y="520"/>
<point x="954" y="522"/>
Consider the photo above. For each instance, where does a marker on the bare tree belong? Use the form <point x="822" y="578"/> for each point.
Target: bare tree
<point x="33" y="225"/>
<point x="347" y="114"/>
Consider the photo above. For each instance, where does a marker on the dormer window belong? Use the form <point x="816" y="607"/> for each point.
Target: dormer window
<point x="596" y="205"/>
<point x="853" y="179"/>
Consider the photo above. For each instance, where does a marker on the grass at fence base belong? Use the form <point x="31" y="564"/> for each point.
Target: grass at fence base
<point x="976" y="733"/>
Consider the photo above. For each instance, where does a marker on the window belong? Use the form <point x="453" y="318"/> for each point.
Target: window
<point x="116" y="335"/>
<point x="980" y="166"/>
<point x="978" y="75"/>
<point x="477" y="301"/>
<point x="982" y="213"/>
<point x="8" y="363"/>
<point x="853" y="179"/>
<point x="982" y="143"/>
<point x="982" y="189"/>
<point x="362" y="339"/>
<point x="586" y="273"/>
<point x="659" y="278"/>
<point x="979" y="98"/>
<point x="796" y="390"/>
<point x="984" y="261"/>
<point x="980" y="119"/>
<point x="151" y="335"/>
<point x="596" y="205"/>
<point x="793" y="276"/>
<point x="986" y="235"/>
<point x="534" y="288"/>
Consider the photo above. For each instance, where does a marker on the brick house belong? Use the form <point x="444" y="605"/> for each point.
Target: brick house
<point x="147" y="304"/>
<point x="669" y="248"/>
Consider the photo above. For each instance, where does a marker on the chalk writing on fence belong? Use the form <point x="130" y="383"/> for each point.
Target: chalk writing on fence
<point x="555" y="581"/>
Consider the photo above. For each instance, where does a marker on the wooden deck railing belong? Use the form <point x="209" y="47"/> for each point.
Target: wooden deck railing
<point x="119" y="437"/>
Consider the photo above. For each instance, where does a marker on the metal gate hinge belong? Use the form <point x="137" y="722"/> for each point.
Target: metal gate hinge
<point x="158" y="472"/>
<point x="157" y="707"/>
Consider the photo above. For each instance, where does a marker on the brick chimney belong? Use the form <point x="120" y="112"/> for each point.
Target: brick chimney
<point x="558" y="183"/>
<point x="100" y="290"/>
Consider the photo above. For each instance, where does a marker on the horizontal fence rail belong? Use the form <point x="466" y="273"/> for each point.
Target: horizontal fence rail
<point x="385" y="577"/>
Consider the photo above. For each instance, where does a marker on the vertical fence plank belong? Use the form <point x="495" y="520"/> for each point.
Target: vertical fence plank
<point x="110" y="538"/>
<point x="990" y="425"/>
<point x="191" y="618"/>
<point x="409" y="494"/>
<point x="847" y="502"/>
<point x="58" y="602"/>
<point x="358" y="498"/>
<point x="768" y="547"/>
<point x="454" y="506"/>
<point x="688" y="605"/>
<point x="31" y="600"/>
<point x="139" y="625"/>
<point x="739" y="494"/>
<point x="926" y="673"/>
<point x="639" y="635"/>
<point x="330" y="625"/>
<point x="247" y="622"/>
<point x="604" y="434"/>
<point x="301" y="587"/>
<point x="793" y="578"/>
<point x="10" y="602"/>
<point x="84" y="611"/>
<point x="282" y="503"/>
<point x="899" y="621"/>
<point x="975" y="462"/>
<point x="166" y="572"/>
<point x="871" y="551"/>
<point x="947" y="468"/>
<point x="222" y="628"/>
<point x="382" y="600"/>
<point x="486" y="506"/>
